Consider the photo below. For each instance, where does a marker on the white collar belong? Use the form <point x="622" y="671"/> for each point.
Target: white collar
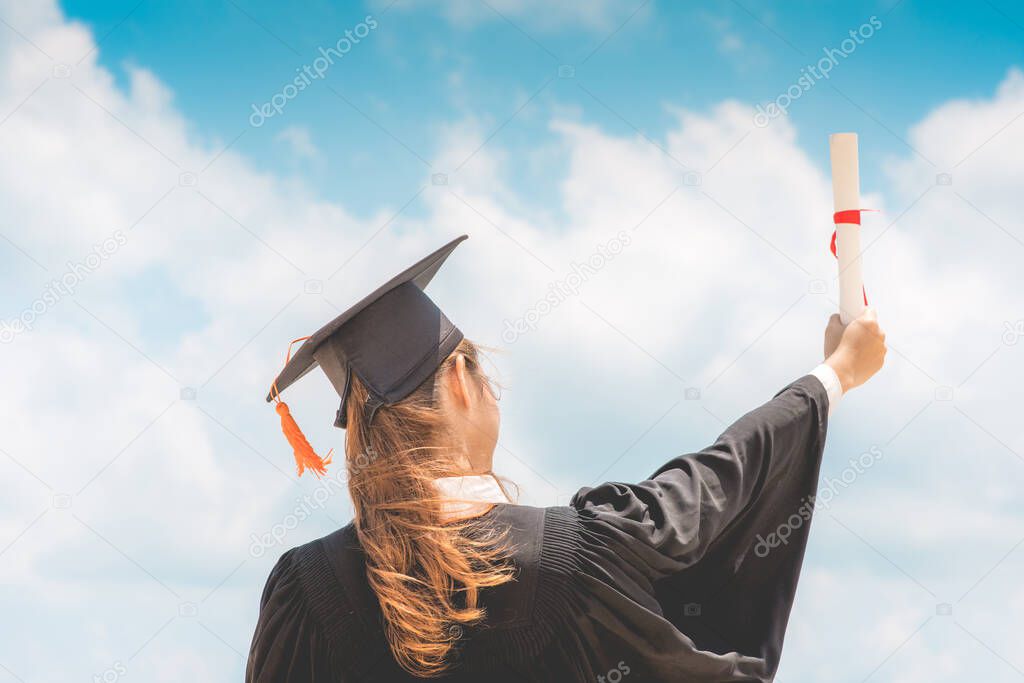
<point x="469" y="496"/>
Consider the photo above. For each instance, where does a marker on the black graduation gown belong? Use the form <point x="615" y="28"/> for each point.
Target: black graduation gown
<point x="687" y="576"/>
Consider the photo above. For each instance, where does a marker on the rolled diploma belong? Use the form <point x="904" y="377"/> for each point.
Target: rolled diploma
<point x="846" y="196"/>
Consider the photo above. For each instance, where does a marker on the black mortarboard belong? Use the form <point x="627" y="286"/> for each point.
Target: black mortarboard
<point x="393" y="340"/>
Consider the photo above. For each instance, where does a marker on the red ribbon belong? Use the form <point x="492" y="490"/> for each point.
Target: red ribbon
<point x="848" y="217"/>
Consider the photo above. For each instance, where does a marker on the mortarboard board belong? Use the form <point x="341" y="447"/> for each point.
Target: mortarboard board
<point x="392" y="340"/>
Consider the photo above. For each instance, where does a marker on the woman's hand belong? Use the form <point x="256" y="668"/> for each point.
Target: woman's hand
<point x="857" y="351"/>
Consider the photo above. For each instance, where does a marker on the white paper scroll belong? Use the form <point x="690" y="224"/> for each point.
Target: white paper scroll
<point x="846" y="197"/>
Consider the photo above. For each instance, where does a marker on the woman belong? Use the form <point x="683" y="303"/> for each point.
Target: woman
<point x="688" y="575"/>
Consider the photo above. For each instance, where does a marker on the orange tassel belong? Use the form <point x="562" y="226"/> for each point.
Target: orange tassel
<point x="305" y="456"/>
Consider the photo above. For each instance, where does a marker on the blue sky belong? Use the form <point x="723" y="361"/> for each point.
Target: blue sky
<point x="220" y="58"/>
<point x="143" y="460"/>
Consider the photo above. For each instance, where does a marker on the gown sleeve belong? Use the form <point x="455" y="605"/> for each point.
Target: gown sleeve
<point x="288" y="644"/>
<point x="668" y="522"/>
<point x="710" y="547"/>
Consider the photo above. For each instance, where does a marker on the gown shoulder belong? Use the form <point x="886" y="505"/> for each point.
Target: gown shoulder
<point x="304" y="609"/>
<point x="287" y="643"/>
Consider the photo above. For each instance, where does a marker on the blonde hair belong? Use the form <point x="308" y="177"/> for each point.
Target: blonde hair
<point x="427" y="574"/>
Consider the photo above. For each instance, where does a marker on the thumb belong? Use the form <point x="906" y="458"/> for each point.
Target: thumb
<point x="869" y="314"/>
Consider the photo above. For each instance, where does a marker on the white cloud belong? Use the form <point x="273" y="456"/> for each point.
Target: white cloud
<point x="595" y="15"/>
<point x="299" y="142"/>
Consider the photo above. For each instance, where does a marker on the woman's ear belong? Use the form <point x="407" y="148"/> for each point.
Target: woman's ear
<point x="458" y="382"/>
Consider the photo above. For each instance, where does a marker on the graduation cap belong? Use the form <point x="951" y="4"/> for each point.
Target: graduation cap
<point x="392" y="340"/>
